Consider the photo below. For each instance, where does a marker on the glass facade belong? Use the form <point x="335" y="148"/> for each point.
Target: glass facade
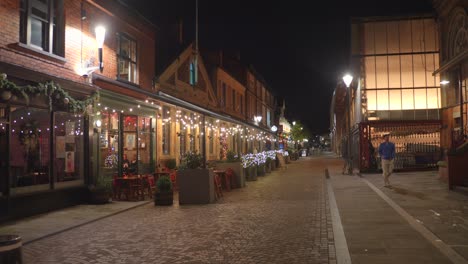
<point x="399" y="58"/>
<point x="29" y="147"/>
<point x="69" y="143"/>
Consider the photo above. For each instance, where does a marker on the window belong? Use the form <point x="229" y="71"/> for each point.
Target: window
<point x="223" y="100"/>
<point x="42" y="25"/>
<point x="29" y="147"/>
<point x="109" y="144"/>
<point x="241" y="104"/>
<point x="193" y="72"/>
<point x="69" y="145"/>
<point x="233" y="99"/>
<point x="126" y="59"/>
<point x="211" y="145"/>
<point x="166" y="131"/>
<point x="193" y="132"/>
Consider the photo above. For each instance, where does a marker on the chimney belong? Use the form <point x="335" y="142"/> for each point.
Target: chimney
<point x="220" y="58"/>
<point x="238" y="55"/>
<point x="181" y="31"/>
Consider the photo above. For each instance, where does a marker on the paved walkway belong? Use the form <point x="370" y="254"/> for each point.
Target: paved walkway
<point x="288" y="216"/>
<point x="410" y="223"/>
<point x="281" y="218"/>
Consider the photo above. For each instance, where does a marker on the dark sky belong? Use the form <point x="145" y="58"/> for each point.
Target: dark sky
<point x="300" y="47"/>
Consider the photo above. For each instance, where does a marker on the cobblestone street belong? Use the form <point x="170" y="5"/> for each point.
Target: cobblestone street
<point x="281" y="218"/>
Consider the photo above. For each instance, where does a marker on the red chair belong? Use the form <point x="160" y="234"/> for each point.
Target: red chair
<point x="230" y="177"/>
<point x="173" y="176"/>
<point x="218" y="186"/>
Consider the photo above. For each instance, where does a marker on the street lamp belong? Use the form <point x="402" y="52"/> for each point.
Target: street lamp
<point x="348" y="79"/>
<point x="100" y="36"/>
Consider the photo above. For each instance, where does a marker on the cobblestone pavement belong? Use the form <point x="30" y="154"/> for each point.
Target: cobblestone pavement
<point x="281" y="218"/>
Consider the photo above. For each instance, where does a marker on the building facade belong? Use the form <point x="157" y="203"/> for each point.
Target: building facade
<point x="393" y="91"/>
<point x="79" y="98"/>
<point x="452" y="23"/>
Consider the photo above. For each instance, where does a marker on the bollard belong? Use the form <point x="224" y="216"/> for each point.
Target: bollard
<point x="10" y="249"/>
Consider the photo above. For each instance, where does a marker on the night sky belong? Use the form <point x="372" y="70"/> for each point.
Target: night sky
<point x="300" y="47"/>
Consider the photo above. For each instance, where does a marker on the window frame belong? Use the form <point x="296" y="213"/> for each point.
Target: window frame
<point x="53" y="37"/>
<point x="122" y="59"/>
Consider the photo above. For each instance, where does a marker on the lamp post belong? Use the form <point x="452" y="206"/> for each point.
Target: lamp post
<point x="100" y="36"/>
<point x="347" y="79"/>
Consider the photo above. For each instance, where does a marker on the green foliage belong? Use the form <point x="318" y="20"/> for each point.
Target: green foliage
<point x="192" y="160"/>
<point x="268" y="160"/>
<point x="299" y="132"/>
<point x="171" y="164"/>
<point x="231" y="156"/>
<point x="103" y="183"/>
<point x="56" y="95"/>
<point x="164" y="184"/>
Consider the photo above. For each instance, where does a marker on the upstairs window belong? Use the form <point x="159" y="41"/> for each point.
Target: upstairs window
<point x="126" y="59"/>
<point x="42" y="25"/>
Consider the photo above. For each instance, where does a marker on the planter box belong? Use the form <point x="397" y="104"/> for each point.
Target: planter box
<point x="163" y="198"/>
<point x="99" y="196"/>
<point x="261" y="170"/>
<point x="196" y="186"/>
<point x="238" y="171"/>
<point x="273" y="164"/>
<point x="457" y="167"/>
<point x="251" y="173"/>
<point x="287" y="159"/>
<point x="268" y="167"/>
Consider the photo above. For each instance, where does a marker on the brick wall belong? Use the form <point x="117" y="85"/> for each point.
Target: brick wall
<point x="80" y="44"/>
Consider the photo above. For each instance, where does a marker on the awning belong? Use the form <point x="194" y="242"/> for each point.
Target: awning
<point x="176" y="101"/>
<point x="452" y="63"/>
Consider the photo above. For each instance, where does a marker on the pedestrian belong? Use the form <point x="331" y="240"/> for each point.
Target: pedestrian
<point x="387" y="155"/>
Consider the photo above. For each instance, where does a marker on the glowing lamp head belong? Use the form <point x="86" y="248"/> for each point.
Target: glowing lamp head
<point x="347" y="79"/>
<point x="100" y="36"/>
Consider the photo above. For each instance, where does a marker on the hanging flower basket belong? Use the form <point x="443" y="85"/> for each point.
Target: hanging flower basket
<point x="6" y="95"/>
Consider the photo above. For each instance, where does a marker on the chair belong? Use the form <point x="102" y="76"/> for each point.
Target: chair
<point x="173" y="176"/>
<point x="231" y="178"/>
<point x="218" y="186"/>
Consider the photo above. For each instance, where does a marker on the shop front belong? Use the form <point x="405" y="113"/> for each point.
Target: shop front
<point x="124" y="137"/>
<point x="43" y="141"/>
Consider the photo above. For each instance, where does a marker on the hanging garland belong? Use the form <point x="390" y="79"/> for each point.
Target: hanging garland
<point x="53" y="91"/>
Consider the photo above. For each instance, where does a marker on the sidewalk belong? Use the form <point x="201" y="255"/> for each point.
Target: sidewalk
<point x="418" y="221"/>
<point x="40" y="226"/>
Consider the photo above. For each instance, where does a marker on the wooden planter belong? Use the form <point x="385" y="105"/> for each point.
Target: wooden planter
<point x="251" y="173"/>
<point x="99" y="196"/>
<point x="261" y="170"/>
<point x="196" y="186"/>
<point x="457" y="168"/>
<point x="239" y="175"/>
<point x="163" y="198"/>
<point x="268" y="167"/>
<point x="273" y="164"/>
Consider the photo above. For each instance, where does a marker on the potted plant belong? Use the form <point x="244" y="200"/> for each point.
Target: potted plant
<point x="196" y="184"/>
<point x="164" y="194"/>
<point x="171" y="164"/>
<point x="249" y="163"/>
<point x="101" y="192"/>
<point x="261" y="161"/>
<point x="272" y="156"/>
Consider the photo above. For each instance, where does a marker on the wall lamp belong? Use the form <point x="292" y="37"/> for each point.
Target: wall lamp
<point x="257" y="119"/>
<point x="100" y="36"/>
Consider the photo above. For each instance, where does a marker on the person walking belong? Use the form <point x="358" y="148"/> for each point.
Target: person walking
<point x="387" y="155"/>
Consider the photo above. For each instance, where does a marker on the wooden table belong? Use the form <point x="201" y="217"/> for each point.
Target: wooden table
<point x="132" y="187"/>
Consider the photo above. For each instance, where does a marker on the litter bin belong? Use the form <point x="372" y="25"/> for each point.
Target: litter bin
<point x="10" y="249"/>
